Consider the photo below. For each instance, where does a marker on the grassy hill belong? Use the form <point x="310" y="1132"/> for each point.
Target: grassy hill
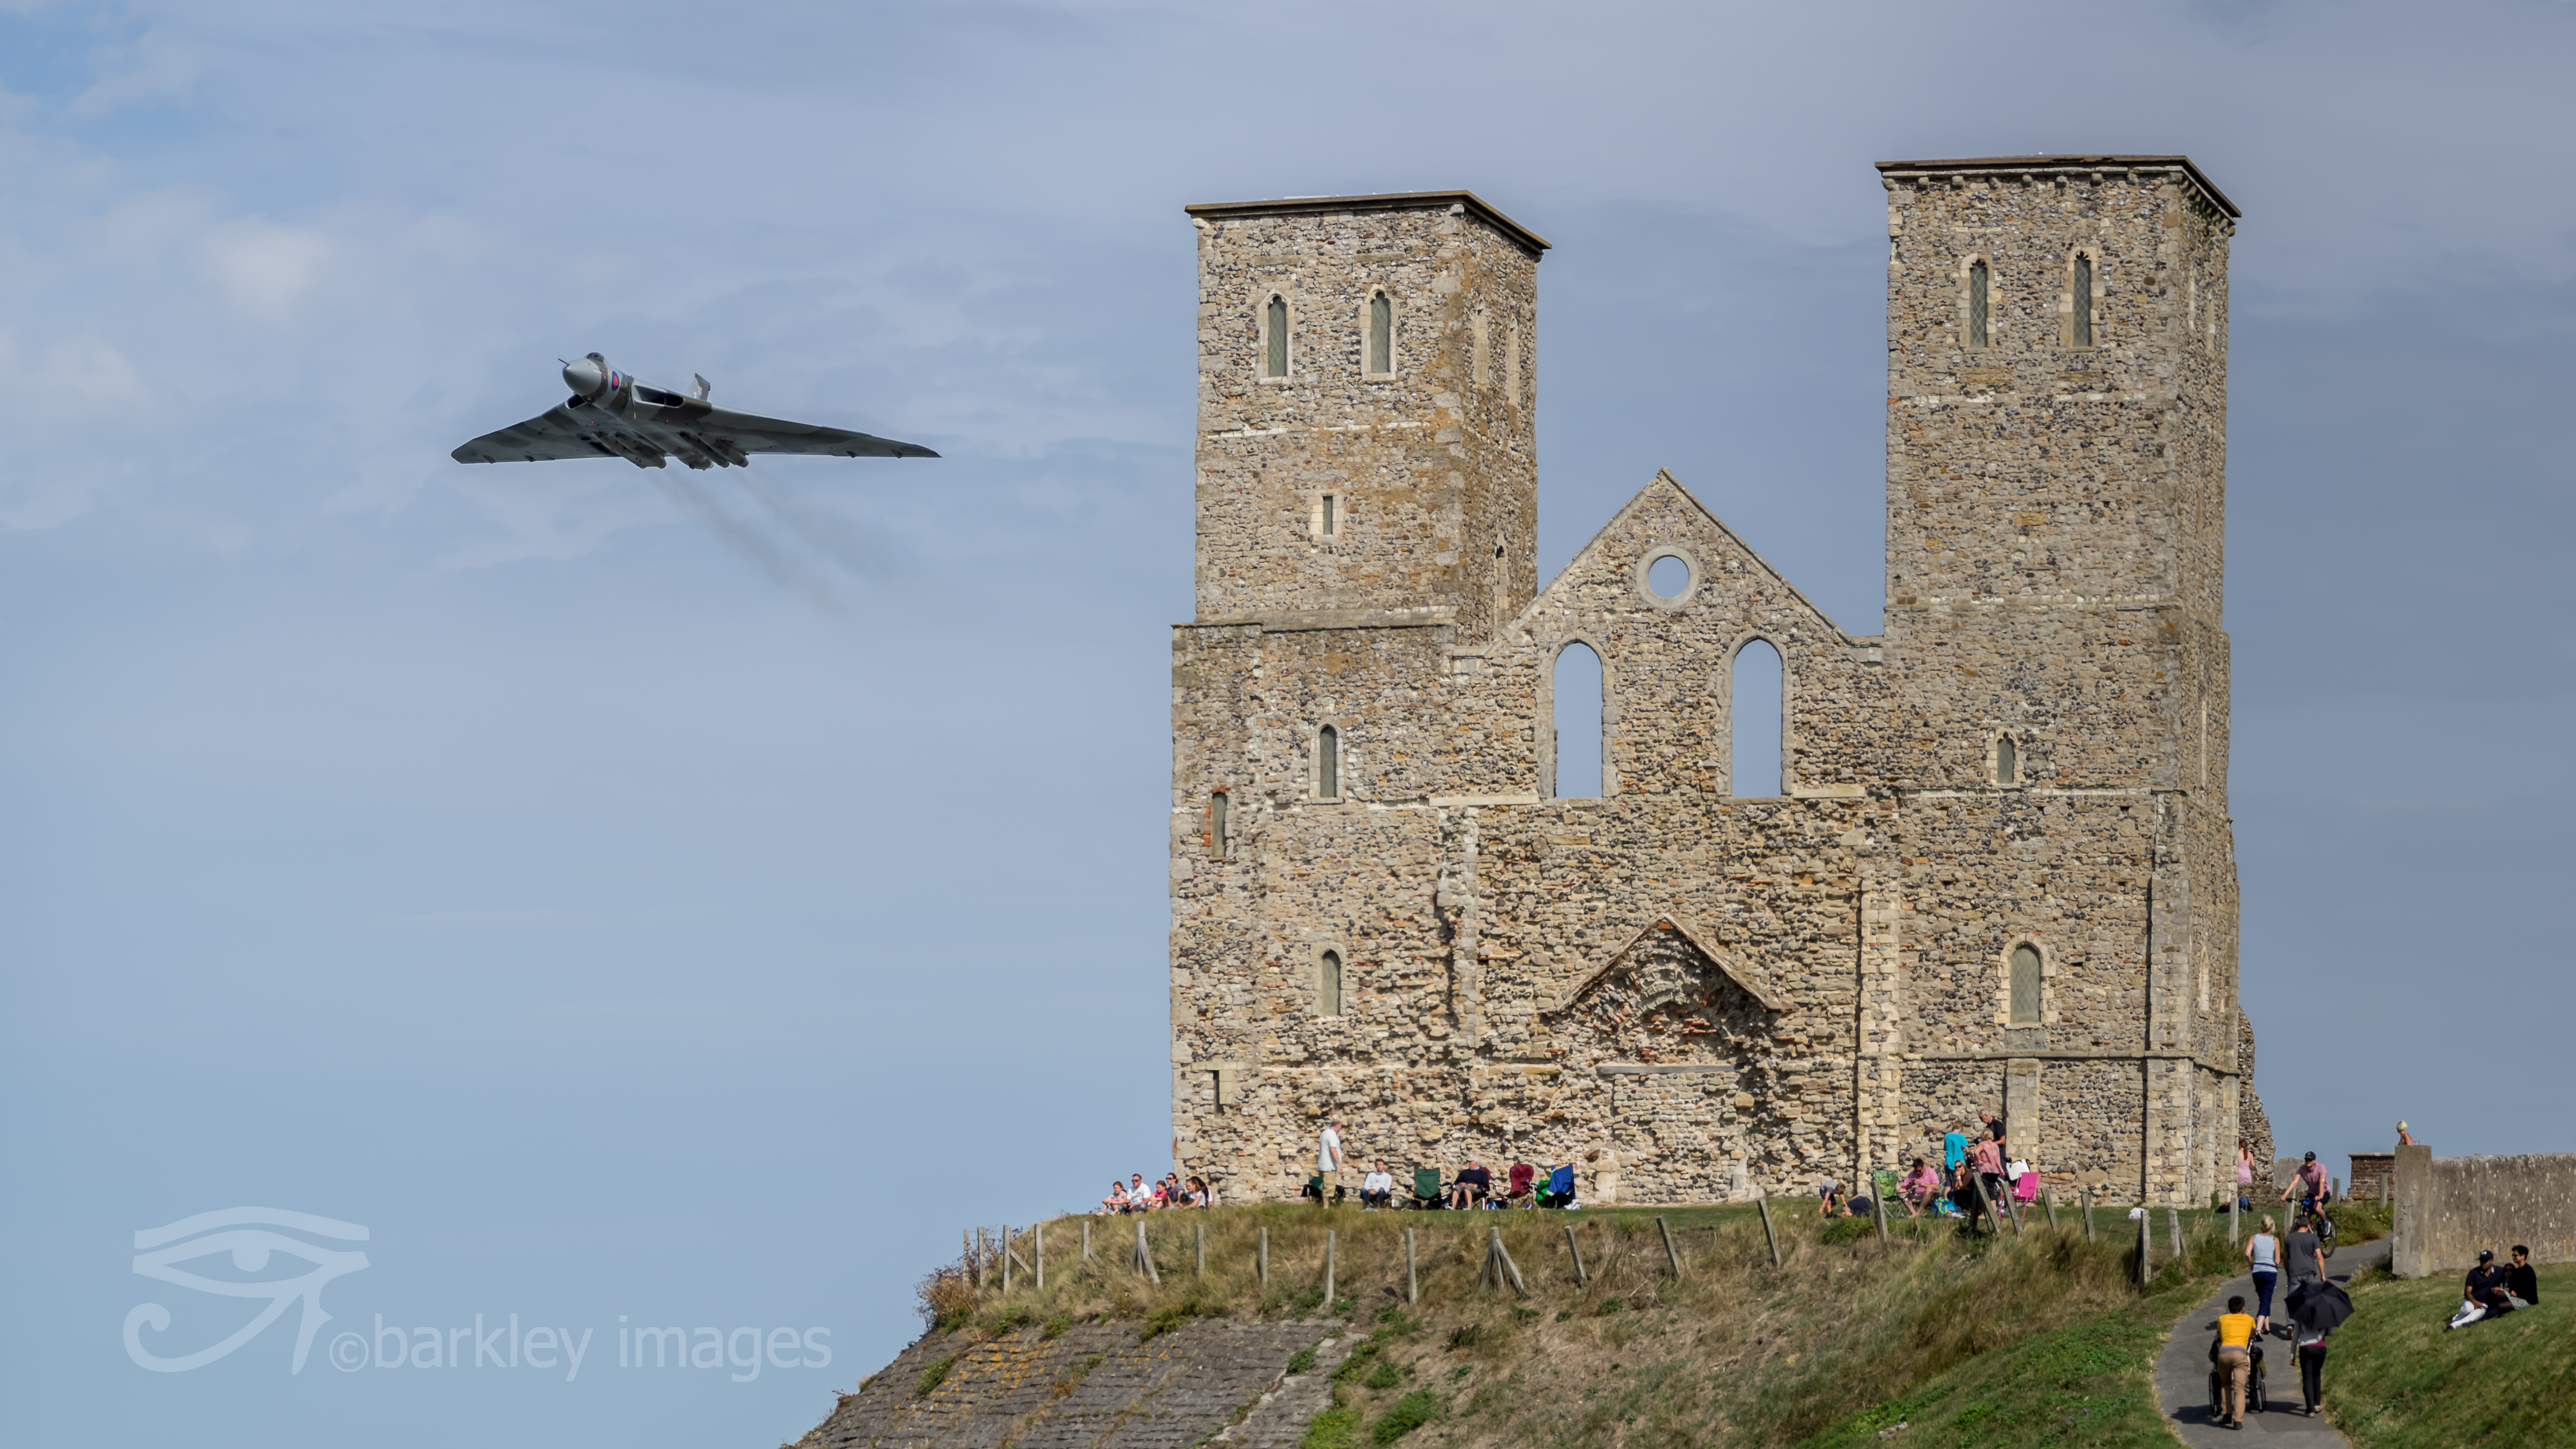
<point x="2395" y="1380"/>
<point x="2033" y="1338"/>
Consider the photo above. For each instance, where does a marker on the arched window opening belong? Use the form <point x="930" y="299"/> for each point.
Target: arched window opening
<point x="1578" y="723"/>
<point x="1218" y="824"/>
<point x="2025" y="986"/>
<point x="2007" y="761"/>
<point x="1276" y="363"/>
<point x="2083" y="334"/>
<point x="1328" y="763"/>
<point x="1328" y="985"/>
<point x="1381" y="335"/>
<point x="1977" y="303"/>
<point x="1758" y="720"/>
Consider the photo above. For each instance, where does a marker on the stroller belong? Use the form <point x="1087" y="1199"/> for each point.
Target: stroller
<point x="2218" y="1383"/>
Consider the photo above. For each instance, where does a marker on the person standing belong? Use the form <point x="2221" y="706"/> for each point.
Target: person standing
<point x="2312" y="1368"/>
<point x="2263" y="1257"/>
<point x="2244" y="1175"/>
<point x="1987" y="1158"/>
<point x="2235" y="1360"/>
<point x="2306" y="1259"/>
<point x="1328" y="1163"/>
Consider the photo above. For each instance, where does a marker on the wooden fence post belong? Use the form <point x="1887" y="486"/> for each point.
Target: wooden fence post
<point x="1037" y="1236"/>
<point x="1672" y="1254"/>
<point x="1581" y="1278"/>
<point x="2146" y="1245"/>
<point x="2085" y="1194"/>
<point x="1764" y="1205"/>
<point x="966" y="1256"/>
<point x="1202" y="1232"/>
<point x="1412" y="1284"/>
<point x="1086" y="1240"/>
<point x="2048" y="1199"/>
<point x="2235" y="1202"/>
<point x="1878" y="1210"/>
<point x="1328" y="1270"/>
<point x="1264" y="1258"/>
<point x="1145" y="1256"/>
<point x="2173" y="1221"/>
<point x="1506" y="1272"/>
<point x="1006" y="1258"/>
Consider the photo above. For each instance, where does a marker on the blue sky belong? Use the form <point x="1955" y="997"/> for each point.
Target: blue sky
<point x="646" y="896"/>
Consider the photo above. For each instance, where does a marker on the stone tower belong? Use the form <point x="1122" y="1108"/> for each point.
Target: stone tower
<point x="1366" y="391"/>
<point x="2056" y="491"/>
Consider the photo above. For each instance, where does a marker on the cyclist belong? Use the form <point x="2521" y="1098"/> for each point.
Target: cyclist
<point x="2314" y="1190"/>
<point x="2310" y="1186"/>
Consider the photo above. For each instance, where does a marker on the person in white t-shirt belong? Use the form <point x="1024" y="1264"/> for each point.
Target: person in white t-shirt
<point x="1378" y="1188"/>
<point x="1328" y="1163"/>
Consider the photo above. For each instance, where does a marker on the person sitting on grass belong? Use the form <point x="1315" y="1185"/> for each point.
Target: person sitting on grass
<point x="1378" y="1188"/>
<point x="1473" y="1186"/>
<point x="2521" y="1281"/>
<point x="1198" y="1192"/>
<point x="1116" y="1202"/>
<point x="1140" y="1198"/>
<point x="2483" y="1296"/>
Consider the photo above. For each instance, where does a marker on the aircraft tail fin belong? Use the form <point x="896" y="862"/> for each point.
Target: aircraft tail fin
<point x="704" y="387"/>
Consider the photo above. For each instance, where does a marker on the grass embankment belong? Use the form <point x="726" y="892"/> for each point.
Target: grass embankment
<point x="2031" y="1339"/>
<point x="2395" y="1380"/>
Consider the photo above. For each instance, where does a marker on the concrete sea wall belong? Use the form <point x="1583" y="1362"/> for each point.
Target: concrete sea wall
<point x="2449" y="1208"/>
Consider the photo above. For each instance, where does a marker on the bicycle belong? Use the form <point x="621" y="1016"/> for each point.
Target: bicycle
<point x="2312" y="1215"/>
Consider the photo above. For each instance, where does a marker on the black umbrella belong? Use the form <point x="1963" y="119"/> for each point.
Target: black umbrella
<point x="2317" y="1303"/>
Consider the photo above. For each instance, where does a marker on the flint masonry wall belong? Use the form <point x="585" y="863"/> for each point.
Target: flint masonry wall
<point x="1689" y="993"/>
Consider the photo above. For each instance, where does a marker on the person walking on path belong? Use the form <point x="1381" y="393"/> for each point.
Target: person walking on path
<point x="2263" y="1256"/>
<point x="2244" y="1175"/>
<point x="2312" y="1368"/>
<point x="2306" y="1259"/>
<point x="1328" y="1163"/>
<point x="2235" y="1360"/>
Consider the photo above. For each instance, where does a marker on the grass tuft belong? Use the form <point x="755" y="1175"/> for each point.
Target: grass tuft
<point x="933" y="1376"/>
<point x="1409" y="1413"/>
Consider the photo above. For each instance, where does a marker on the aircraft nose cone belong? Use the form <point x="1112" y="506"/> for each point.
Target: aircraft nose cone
<point x="584" y="376"/>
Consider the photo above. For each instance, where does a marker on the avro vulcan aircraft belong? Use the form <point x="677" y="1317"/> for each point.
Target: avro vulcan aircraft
<point x="611" y="415"/>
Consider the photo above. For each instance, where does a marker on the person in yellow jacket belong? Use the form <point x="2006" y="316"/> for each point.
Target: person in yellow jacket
<point x="2236" y="1358"/>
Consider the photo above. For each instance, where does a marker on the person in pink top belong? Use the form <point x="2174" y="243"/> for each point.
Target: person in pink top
<point x="1918" y="1187"/>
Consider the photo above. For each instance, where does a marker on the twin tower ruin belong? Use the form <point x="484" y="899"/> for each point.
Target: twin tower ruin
<point x="1997" y="870"/>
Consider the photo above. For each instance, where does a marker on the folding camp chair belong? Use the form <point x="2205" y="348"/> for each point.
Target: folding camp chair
<point x="1518" y="1193"/>
<point x="1426" y="1189"/>
<point x="1559" y="1191"/>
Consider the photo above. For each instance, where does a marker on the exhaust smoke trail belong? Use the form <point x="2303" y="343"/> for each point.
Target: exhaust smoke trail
<point x="782" y="569"/>
<point x="835" y="536"/>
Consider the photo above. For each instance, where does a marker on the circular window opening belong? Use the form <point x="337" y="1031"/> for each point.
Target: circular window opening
<point x="1668" y="576"/>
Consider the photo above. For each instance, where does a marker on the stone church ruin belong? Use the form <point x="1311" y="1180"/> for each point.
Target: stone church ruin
<point x="1997" y="869"/>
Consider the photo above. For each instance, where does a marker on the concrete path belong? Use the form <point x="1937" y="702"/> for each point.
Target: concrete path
<point x="2182" y="1370"/>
